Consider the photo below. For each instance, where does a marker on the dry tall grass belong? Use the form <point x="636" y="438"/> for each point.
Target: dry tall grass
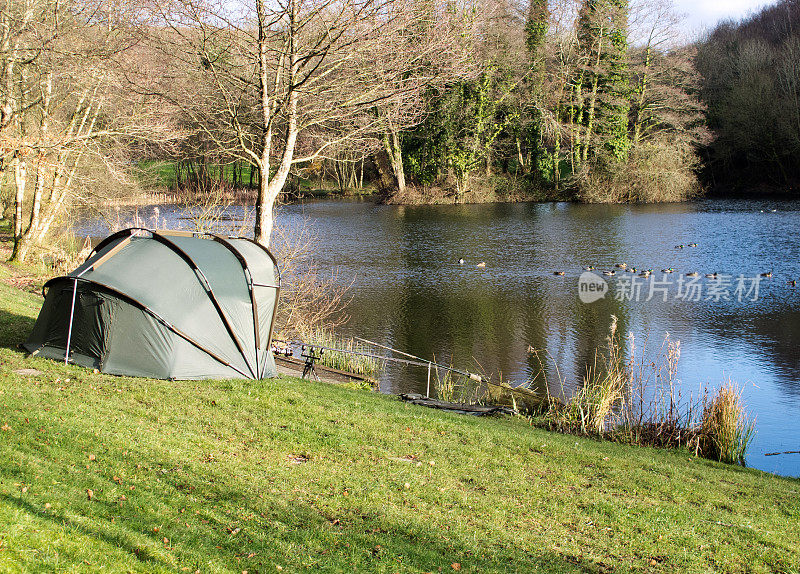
<point x="656" y="171"/>
<point x="725" y="430"/>
<point x="455" y="388"/>
<point x="638" y="400"/>
<point x="592" y="409"/>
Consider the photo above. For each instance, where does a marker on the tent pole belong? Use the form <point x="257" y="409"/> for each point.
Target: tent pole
<point x="71" y="317"/>
<point x="428" y="392"/>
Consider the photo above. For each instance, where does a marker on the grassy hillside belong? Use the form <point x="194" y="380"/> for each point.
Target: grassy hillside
<point x="110" y="474"/>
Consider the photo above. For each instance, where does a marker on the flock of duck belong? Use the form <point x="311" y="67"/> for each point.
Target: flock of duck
<point x="624" y="267"/>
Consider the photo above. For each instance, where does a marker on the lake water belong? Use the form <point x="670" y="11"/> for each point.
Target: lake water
<point x="409" y="291"/>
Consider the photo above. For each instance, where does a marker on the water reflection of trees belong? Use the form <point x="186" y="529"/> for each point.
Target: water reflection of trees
<point x="412" y="294"/>
<point x="771" y="334"/>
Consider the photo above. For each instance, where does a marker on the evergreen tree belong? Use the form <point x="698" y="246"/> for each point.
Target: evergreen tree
<point x="602" y="89"/>
<point x="536" y="26"/>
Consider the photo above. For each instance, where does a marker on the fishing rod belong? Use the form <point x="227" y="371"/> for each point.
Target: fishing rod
<point x="473" y="376"/>
<point x="416" y="361"/>
<point x="362" y="354"/>
<point x="413" y="360"/>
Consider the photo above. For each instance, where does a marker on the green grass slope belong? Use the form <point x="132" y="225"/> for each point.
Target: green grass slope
<point x="110" y="474"/>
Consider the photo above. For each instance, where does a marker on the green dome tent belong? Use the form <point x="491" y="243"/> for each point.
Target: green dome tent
<point x="164" y="304"/>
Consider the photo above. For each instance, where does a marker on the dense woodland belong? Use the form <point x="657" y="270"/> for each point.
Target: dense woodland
<point x="751" y="87"/>
<point x="422" y="101"/>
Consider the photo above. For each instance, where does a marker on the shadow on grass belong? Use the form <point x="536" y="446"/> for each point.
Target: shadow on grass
<point x="116" y="540"/>
<point x="373" y="543"/>
<point x="210" y="517"/>
<point x="14" y="329"/>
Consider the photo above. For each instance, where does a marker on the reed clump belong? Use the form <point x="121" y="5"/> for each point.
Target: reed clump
<point x="592" y="408"/>
<point x="725" y="430"/>
<point x="638" y="400"/>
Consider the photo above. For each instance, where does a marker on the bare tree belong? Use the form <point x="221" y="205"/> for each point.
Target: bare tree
<point x="289" y="81"/>
<point x="63" y="103"/>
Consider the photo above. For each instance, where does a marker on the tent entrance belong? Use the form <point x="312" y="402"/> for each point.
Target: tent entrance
<point x="91" y="324"/>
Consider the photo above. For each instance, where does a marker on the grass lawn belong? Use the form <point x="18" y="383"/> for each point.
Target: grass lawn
<point x="111" y="474"/>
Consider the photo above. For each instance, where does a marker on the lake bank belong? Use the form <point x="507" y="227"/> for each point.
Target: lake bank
<point x="409" y="292"/>
<point x="109" y="473"/>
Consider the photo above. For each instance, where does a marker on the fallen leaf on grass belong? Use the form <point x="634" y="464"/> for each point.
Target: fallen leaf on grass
<point x="455" y="566"/>
<point x="92" y="457"/>
<point x="89" y="493"/>
<point x="5" y="427"/>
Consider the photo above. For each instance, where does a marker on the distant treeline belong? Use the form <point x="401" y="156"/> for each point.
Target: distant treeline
<point x="589" y="100"/>
<point x="592" y="100"/>
<point x="751" y="86"/>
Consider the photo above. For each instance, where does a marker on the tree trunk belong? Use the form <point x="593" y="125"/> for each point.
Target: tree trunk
<point x="521" y="158"/>
<point x="270" y="187"/>
<point x="557" y="157"/>
<point x="385" y="174"/>
<point x="391" y="142"/>
<point x="20" y="180"/>
<point x="36" y="207"/>
<point x="593" y="99"/>
<point x="637" y="124"/>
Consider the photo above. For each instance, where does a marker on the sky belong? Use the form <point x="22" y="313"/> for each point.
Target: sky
<point x="702" y="14"/>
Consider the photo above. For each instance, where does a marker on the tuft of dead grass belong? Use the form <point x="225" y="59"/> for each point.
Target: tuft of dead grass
<point x="725" y="430"/>
<point x="638" y="400"/>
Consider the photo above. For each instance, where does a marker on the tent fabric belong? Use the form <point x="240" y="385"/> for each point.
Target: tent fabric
<point x="164" y="304"/>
